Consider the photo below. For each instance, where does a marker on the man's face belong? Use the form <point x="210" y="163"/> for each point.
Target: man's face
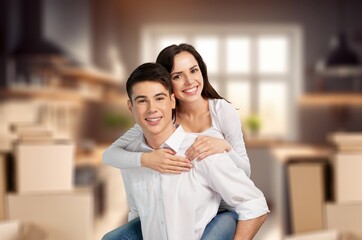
<point x="152" y="106"/>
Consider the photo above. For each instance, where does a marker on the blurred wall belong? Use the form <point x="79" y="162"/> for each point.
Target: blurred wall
<point x="318" y="19"/>
<point x="102" y="26"/>
<point x="69" y="25"/>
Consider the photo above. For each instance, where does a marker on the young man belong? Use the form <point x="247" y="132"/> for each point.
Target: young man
<point x="180" y="206"/>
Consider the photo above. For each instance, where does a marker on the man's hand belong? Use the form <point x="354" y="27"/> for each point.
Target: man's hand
<point x="205" y="146"/>
<point x="165" y="161"/>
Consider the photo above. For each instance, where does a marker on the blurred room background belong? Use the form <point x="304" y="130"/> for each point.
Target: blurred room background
<point x="291" y="68"/>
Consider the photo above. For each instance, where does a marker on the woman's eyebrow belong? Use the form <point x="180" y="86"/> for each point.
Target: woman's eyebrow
<point x="195" y="66"/>
<point x="176" y="73"/>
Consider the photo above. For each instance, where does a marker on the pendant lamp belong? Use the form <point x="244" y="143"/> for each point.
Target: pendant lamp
<point x="340" y="53"/>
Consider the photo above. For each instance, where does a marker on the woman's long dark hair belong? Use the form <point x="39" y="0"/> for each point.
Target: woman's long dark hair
<point x="166" y="59"/>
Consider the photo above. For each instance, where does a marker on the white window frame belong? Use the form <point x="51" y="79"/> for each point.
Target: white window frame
<point x="151" y="33"/>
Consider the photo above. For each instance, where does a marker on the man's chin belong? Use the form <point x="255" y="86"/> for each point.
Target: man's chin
<point x="152" y="129"/>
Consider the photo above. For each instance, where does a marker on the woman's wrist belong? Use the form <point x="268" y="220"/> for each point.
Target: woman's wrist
<point x="227" y="147"/>
<point x="144" y="160"/>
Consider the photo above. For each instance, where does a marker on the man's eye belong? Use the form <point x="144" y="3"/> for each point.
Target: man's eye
<point x="160" y="98"/>
<point x="141" y="101"/>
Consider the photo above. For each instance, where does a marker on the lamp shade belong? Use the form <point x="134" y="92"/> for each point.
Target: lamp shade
<point x="341" y="54"/>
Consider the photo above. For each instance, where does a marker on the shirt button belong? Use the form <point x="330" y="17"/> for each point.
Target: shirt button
<point x="162" y="222"/>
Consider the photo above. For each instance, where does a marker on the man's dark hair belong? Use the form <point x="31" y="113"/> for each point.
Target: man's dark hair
<point x="149" y="72"/>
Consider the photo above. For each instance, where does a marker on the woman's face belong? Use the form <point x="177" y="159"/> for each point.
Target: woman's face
<point x="186" y="78"/>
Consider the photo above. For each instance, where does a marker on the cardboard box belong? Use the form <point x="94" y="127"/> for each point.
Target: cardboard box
<point x="347" y="141"/>
<point x="31" y="131"/>
<point x="316" y="235"/>
<point x="306" y="194"/>
<point x="346" y="218"/>
<point x="15" y="230"/>
<point x="10" y="111"/>
<point x="347" y="176"/>
<point x="44" y="167"/>
<point x="2" y="185"/>
<point x="10" y="230"/>
<point x="65" y="216"/>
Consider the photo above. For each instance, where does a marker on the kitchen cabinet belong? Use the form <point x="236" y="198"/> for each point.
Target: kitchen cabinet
<point x="335" y="86"/>
<point x="49" y="80"/>
<point x="331" y="99"/>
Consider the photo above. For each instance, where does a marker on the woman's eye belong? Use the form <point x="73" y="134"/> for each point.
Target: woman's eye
<point x="175" y="77"/>
<point x="194" y="70"/>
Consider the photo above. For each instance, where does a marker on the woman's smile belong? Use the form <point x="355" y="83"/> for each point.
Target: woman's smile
<point x="191" y="91"/>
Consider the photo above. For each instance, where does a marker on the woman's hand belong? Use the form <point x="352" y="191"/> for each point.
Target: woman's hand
<point x="205" y="146"/>
<point x="165" y="161"/>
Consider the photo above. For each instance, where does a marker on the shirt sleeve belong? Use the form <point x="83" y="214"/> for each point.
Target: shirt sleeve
<point x="230" y="126"/>
<point x="235" y="187"/>
<point x="116" y="155"/>
<point x="132" y="208"/>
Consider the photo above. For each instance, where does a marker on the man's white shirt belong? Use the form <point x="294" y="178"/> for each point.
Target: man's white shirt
<point x="179" y="206"/>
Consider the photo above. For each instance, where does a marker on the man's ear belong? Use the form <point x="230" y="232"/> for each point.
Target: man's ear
<point x="173" y="100"/>
<point x="129" y="105"/>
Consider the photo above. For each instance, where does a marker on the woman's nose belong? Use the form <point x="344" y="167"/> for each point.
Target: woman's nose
<point x="188" y="79"/>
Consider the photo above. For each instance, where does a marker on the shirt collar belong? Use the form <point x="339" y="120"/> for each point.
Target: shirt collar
<point x="175" y="140"/>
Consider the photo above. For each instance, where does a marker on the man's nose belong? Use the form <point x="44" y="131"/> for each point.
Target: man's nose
<point x="152" y="106"/>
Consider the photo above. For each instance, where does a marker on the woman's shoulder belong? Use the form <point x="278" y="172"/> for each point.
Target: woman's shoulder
<point x="221" y="105"/>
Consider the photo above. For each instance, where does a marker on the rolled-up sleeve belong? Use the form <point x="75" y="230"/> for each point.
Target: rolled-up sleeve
<point x="235" y="187"/>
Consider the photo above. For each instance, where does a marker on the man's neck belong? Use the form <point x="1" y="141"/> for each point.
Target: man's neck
<point x="156" y="140"/>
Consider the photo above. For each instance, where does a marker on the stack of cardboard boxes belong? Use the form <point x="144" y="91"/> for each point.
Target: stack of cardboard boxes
<point x="45" y="196"/>
<point x="2" y="186"/>
<point x="345" y="213"/>
<point x="306" y="194"/>
<point x="324" y="205"/>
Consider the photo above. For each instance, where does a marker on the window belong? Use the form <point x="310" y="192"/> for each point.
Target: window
<point x="256" y="68"/>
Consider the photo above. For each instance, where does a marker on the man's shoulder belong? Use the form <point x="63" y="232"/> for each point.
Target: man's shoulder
<point x="137" y="172"/>
<point x="215" y="158"/>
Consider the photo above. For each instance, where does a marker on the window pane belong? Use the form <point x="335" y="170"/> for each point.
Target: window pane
<point x="272" y="55"/>
<point x="238" y="93"/>
<point x="165" y="41"/>
<point x="238" y="55"/>
<point x="273" y="108"/>
<point x="215" y="84"/>
<point x="208" y="47"/>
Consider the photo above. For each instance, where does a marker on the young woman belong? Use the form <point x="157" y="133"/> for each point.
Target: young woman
<point x="199" y="109"/>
